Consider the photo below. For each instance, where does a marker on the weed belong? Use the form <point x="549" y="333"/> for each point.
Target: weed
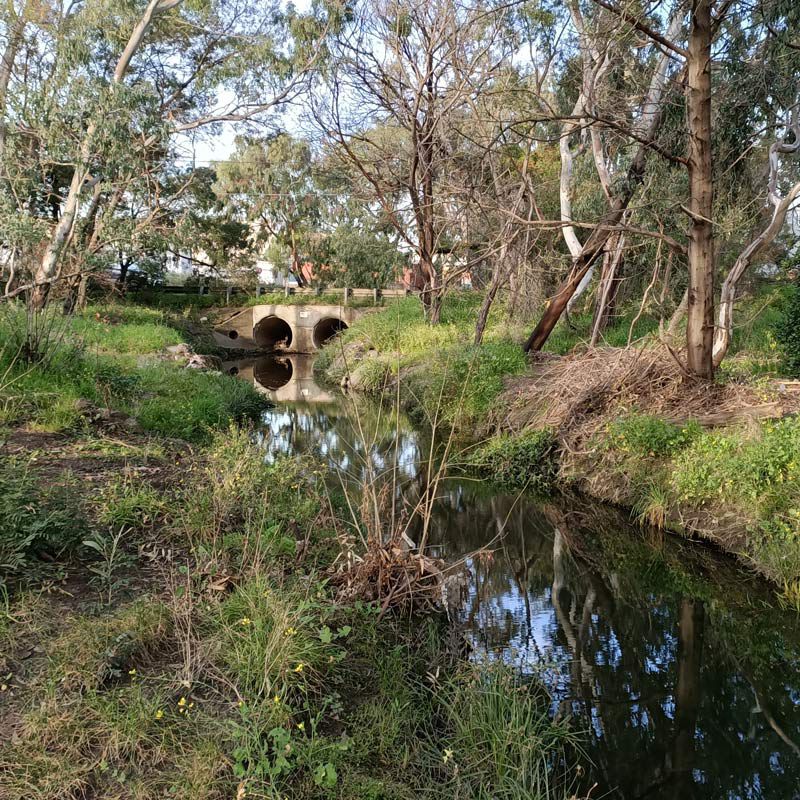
<point x="645" y="435"/>
<point x="272" y="643"/>
<point x="526" y="461"/>
<point x="129" y="503"/>
<point x="37" y="519"/>
<point x="112" y="559"/>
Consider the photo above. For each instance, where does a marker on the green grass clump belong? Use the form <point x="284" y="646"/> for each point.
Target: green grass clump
<point x="190" y="404"/>
<point x="502" y="742"/>
<point x="646" y="435"/>
<point x="38" y="517"/>
<point x="129" y="503"/>
<point x="526" y="461"/>
<point x="272" y="642"/>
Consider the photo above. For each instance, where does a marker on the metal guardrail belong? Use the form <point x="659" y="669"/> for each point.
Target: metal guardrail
<point x="346" y="292"/>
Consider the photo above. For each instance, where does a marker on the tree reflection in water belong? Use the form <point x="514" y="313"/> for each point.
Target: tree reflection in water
<point x="677" y="665"/>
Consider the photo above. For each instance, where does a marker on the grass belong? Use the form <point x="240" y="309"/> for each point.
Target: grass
<point x="109" y="356"/>
<point x="744" y="477"/>
<point x="459" y="384"/>
<point x="234" y="671"/>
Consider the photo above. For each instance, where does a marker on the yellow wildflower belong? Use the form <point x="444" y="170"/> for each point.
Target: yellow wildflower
<point x="301" y="726"/>
<point x="244" y="621"/>
<point x="299" y="667"/>
<point x="290" y="631"/>
<point x="159" y="713"/>
<point x="276" y="700"/>
<point x="182" y="702"/>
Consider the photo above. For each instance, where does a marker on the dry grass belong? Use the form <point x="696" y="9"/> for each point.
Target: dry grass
<point x="578" y="393"/>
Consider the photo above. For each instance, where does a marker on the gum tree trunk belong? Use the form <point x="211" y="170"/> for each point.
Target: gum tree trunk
<point x="700" y="309"/>
<point x="48" y="268"/>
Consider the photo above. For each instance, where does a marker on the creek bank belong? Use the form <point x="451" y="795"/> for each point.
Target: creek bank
<point x="718" y="461"/>
<point x="169" y="624"/>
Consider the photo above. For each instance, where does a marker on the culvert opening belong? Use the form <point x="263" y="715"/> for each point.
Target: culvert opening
<point x="273" y="333"/>
<point x="326" y="329"/>
<point x="233" y="334"/>
<point x="272" y="373"/>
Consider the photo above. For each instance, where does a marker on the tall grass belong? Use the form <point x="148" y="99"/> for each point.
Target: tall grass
<point x="109" y="356"/>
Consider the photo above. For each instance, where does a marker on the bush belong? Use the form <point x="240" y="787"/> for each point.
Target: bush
<point x="526" y="461"/>
<point x="645" y="435"/>
<point x="787" y="333"/>
<point x="36" y="518"/>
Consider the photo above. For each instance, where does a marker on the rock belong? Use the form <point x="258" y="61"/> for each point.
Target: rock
<point x="131" y="424"/>
<point x="203" y="319"/>
<point x="180" y="350"/>
<point x="83" y="406"/>
<point x="197" y="361"/>
<point x="104" y="414"/>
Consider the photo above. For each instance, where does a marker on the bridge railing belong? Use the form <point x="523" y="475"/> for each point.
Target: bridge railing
<point x="347" y="293"/>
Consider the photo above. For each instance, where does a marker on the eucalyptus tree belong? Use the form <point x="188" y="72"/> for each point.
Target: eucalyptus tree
<point x="268" y="183"/>
<point x="113" y="86"/>
<point x="723" y="112"/>
<point x="402" y="75"/>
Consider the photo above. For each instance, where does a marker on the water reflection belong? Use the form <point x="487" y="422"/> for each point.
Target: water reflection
<point x="683" y="674"/>
<point x="284" y="379"/>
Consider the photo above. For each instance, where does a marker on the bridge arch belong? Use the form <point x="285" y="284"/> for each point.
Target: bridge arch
<point x="326" y="329"/>
<point x="272" y="333"/>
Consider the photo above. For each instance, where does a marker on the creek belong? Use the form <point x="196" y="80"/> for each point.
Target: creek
<point x="677" y="664"/>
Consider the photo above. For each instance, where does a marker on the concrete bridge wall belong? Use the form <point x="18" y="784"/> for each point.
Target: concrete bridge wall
<point x="287" y="328"/>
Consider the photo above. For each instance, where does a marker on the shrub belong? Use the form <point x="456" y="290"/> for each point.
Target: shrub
<point x="787" y="333"/>
<point x="36" y="519"/>
<point x="526" y="461"/>
<point x="645" y="435"/>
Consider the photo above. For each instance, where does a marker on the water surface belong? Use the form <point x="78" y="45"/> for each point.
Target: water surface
<point x="677" y="664"/>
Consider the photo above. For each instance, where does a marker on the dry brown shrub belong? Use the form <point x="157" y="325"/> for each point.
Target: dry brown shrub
<point x="578" y="393"/>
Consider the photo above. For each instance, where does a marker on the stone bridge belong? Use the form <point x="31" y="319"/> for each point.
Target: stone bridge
<point x="287" y="328"/>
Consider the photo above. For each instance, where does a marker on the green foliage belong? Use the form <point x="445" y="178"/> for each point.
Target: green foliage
<point x="443" y="375"/>
<point x="38" y="517"/>
<point x="129" y="503"/>
<point x="501" y="742"/>
<point x="646" y="435"/>
<point x="741" y="468"/>
<point x="190" y="404"/>
<point x="96" y="363"/>
<point x="271" y="642"/>
<point x="526" y="461"/>
<point x="362" y="258"/>
<point x="787" y="333"/>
